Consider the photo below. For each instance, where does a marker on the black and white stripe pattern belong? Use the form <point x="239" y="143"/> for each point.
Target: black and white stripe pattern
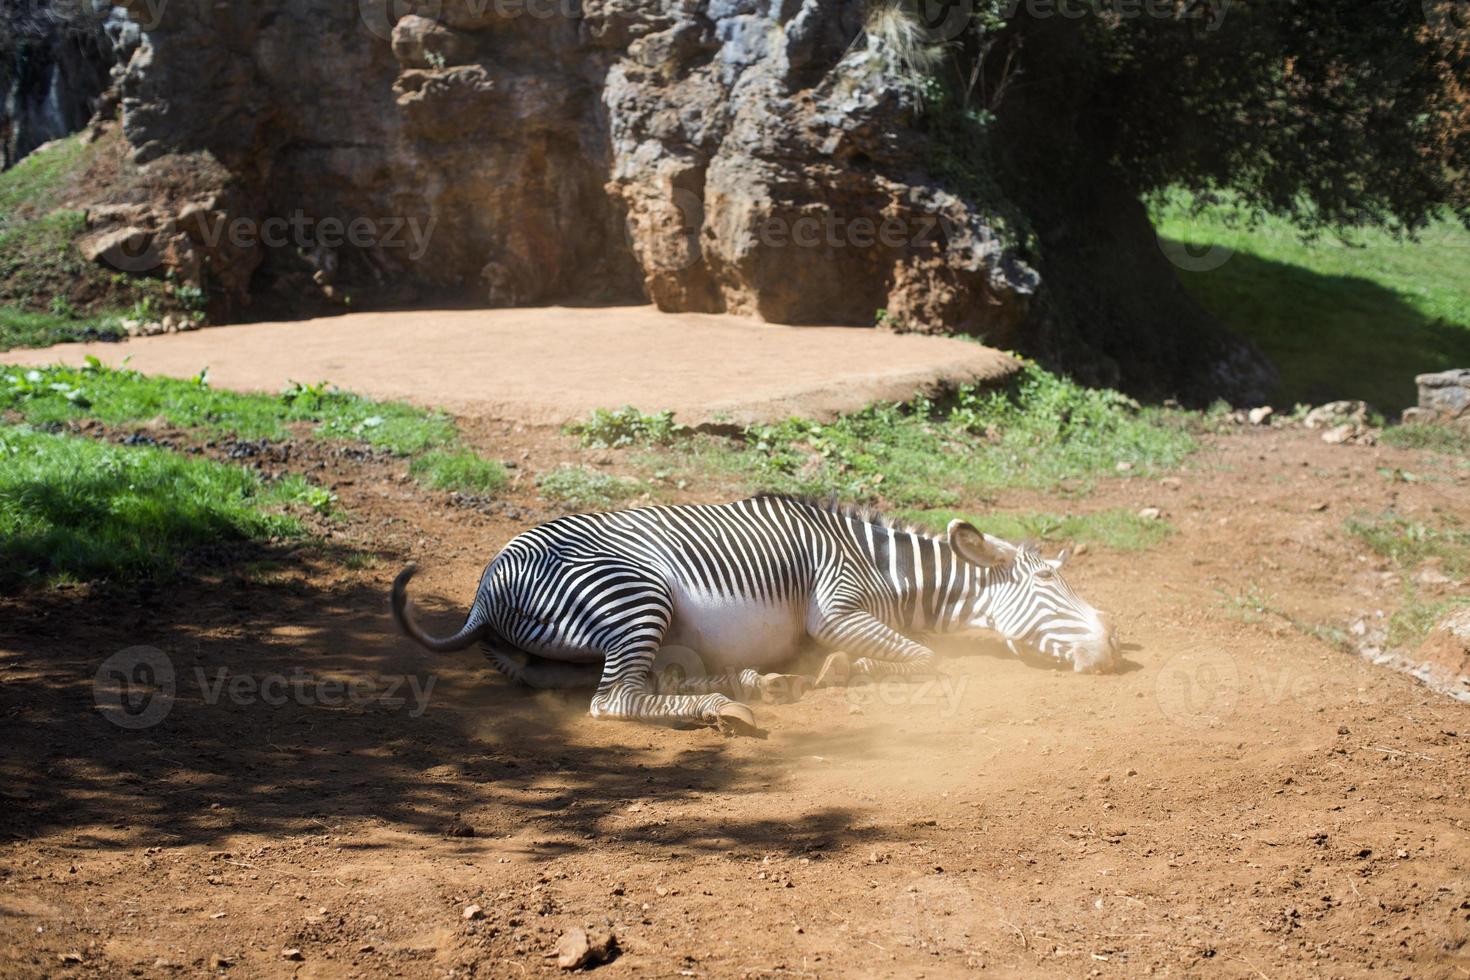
<point x="748" y="580"/>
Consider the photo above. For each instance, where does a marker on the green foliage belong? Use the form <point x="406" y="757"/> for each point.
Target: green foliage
<point x="35" y="183"/>
<point x="297" y="489"/>
<point x="1329" y="115"/>
<point x="60" y="394"/>
<point x="1409" y="542"/>
<point x="29" y="328"/>
<point x="459" y="470"/>
<point x="1412" y="621"/>
<point x="627" y="426"/>
<point x="579" y="486"/>
<point x="1447" y="439"/>
<point x="1121" y="530"/>
<point x="75" y="509"/>
<point x="1040" y="431"/>
<point x="1349" y="315"/>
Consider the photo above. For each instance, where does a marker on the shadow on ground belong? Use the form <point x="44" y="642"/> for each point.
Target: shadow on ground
<point x="294" y="708"/>
<point x="1330" y="336"/>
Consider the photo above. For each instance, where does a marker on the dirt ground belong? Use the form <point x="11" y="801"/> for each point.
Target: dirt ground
<point x="550" y="365"/>
<point x="1244" y="800"/>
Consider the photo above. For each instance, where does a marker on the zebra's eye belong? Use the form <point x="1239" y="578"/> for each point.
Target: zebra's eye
<point x="1045" y="571"/>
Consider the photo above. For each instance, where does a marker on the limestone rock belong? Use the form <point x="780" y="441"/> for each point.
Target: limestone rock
<point x="577" y="948"/>
<point x="1337" y="413"/>
<point x="1446" y="394"/>
<point x="760" y="158"/>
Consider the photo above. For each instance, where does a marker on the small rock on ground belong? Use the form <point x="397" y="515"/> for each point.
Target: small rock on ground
<point x="577" y="949"/>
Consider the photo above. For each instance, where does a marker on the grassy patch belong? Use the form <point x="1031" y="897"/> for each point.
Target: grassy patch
<point x="75" y="509"/>
<point x="1039" y="431"/>
<point x="31" y="328"/>
<point x="1350" y="317"/>
<point x="578" y="486"/>
<point x="1410" y="543"/>
<point x="614" y="428"/>
<point x="1121" y="530"/>
<point x="50" y="293"/>
<point x="1412" y="621"/>
<point x="1449" y="439"/>
<point x="35" y="184"/>
<point x="459" y="470"/>
<point x="58" y="394"/>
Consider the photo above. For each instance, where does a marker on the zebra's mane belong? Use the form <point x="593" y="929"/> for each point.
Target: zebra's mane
<point x="871" y="515"/>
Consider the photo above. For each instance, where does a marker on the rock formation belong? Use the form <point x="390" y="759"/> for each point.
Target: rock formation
<point x="762" y="157"/>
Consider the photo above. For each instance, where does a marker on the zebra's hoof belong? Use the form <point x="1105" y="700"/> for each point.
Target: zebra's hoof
<point x="782" y="688"/>
<point x="736" y="719"/>
<point x="835" y="670"/>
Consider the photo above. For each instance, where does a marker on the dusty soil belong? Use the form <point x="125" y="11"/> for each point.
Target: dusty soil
<point x="550" y="365"/>
<point x="1244" y="800"/>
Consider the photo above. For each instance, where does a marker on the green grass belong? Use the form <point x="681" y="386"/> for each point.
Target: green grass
<point x="50" y="293"/>
<point x="1409" y="543"/>
<point x="459" y="470"/>
<point x="32" y="328"/>
<point x="75" y="509"/>
<point x="44" y="396"/>
<point x="1039" y="431"/>
<point x="579" y="486"/>
<point x="614" y="428"/>
<point x="35" y="183"/>
<point x="1448" y="439"/>
<point x="1341" y="319"/>
<point x="1121" y="530"/>
<point x="1412" y="621"/>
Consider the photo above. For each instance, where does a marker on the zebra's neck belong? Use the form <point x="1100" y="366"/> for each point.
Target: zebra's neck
<point x="929" y="587"/>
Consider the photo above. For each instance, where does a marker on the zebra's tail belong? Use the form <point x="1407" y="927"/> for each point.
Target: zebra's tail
<point x="471" y="631"/>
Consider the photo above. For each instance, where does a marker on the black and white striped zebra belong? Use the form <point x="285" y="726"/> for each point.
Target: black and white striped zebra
<point x="590" y="599"/>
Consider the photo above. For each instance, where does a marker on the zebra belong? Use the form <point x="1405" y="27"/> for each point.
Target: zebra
<point x="590" y="599"/>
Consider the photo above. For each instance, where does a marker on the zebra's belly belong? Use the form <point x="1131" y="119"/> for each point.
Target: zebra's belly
<point x="735" y="633"/>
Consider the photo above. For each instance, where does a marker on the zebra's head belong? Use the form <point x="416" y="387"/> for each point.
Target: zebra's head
<point x="1027" y="601"/>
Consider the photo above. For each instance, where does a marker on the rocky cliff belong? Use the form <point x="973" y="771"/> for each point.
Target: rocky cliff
<point x="763" y="157"/>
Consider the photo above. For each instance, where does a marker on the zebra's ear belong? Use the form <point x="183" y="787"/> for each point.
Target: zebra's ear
<point x="1061" y="558"/>
<point x="978" y="548"/>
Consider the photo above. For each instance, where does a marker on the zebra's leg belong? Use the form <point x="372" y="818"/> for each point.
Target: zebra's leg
<point x="745" y="684"/>
<point x="882" y="650"/>
<point x="628" y="692"/>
